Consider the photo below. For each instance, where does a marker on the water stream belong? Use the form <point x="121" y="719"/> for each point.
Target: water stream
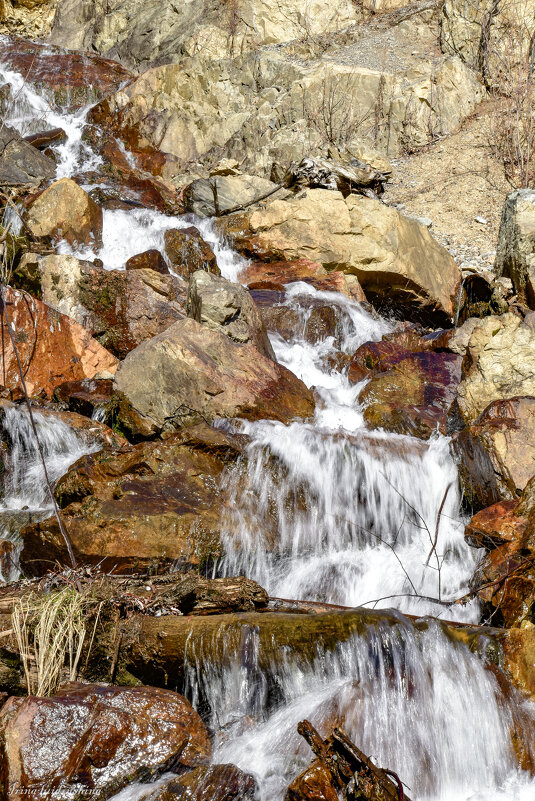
<point x="323" y="510"/>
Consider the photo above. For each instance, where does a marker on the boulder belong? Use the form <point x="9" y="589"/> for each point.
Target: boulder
<point x="275" y="276"/>
<point x="222" y="194"/>
<point x="148" y="260"/>
<point x="20" y="162"/>
<point x="65" y="211"/>
<point x="415" y="396"/>
<point x="497" y="525"/>
<point x="515" y="254"/>
<point x="153" y="504"/>
<point x="119" y="308"/>
<point x="210" y="783"/>
<point x="313" y="320"/>
<point x="499" y="363"/>
<point x="225" y="306"/>
<point x="189" y="373"/>
<point x="187" y="251"/>
<point x="39" y="332"/>
<point x="85" y="741"/>
<point x="373" y="358"/>
<point x="497" y="452"/>
<point x="395" y="258"/>
<point x="70" y="79"/>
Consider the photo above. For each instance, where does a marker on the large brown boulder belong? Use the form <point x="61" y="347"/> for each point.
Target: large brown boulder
<point x="65" y="211"/>
<point x="277" y="275"/>
<point x="119" y="308"/>
<point x="189" y="373"/>
<point x="395" y="258"/>
<point x="499" y="362"/>
<point x="415" y="396"/>
<point x="52" y="347"/>
<point x="497" y="452"/>
<point x="89" y="741"/>
<point x="156" y="503"/>
<point x="225" y="306"/>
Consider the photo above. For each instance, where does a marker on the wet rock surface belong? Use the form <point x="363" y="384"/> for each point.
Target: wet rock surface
<point x="150" y="504"/>
<point x="89" y="741"/>
<point x="187" y="251"/>
<point x="20" y="162"/>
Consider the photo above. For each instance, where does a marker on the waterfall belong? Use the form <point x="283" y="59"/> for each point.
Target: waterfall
<point x="322" y="509"/>
<point x="417" y="702"/>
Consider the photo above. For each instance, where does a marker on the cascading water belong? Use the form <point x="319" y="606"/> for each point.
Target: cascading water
<point x="323" y="510"/>
<point x="25" y="495"/>
<point x="415" y="700"/>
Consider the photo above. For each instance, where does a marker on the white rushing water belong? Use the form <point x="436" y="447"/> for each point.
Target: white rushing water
<point x="417" y="702"/>
<point x="327" y="510"/>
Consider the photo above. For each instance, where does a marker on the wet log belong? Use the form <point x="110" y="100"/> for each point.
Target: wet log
<point x="342" y="769"/>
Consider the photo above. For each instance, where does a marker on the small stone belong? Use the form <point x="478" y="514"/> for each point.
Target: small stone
<point x="481" y="220"/>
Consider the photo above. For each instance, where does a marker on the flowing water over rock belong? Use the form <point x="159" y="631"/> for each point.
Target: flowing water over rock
<point x="326" y="510"/>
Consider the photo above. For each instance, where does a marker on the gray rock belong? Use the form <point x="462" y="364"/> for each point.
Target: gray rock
<point x="209" y="197"/>
<point x="224" y="306"/>
<point x="515" y="255"/>
<point x="20" y="162"/>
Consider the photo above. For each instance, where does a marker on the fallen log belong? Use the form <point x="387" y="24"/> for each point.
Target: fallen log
<point x="340" y="767"/>
<point x="357" y="177"/>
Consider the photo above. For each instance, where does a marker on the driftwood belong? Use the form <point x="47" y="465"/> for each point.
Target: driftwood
<point x="357" y="177"/>
<point x="341" y="769"/>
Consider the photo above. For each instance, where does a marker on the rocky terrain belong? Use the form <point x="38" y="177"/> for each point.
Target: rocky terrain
<point x="267" y="411"/>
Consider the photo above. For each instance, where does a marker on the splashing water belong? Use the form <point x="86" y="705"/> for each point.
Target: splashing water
<point x="30" y="112"/>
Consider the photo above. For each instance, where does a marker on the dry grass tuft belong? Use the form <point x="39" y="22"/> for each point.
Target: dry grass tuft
<point x="50" y="634"/>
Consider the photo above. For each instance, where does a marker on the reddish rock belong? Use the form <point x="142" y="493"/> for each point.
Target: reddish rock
<point x="87" y="397"/>
<point x="148" y="260"/>
<point x="126" y="308"/>
<point x="210" y="783"/>
<point x="75" y="78"/>
<point x="65" y="211"/>
<point x="89" y="741"/>
<point x="415" y="396"/>
<point x="375" y="357"/>
<point x="156" y="503"/>
<point x="188" y="252"/>
<point x="40" y="332"/>
<point x="496" y="525"/>
<point x="45" y="138"/>
<point x="277" y="275"/>
<point x="497" y="451"/>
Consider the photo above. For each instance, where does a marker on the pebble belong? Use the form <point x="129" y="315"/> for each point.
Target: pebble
<point x="481" y="220"/>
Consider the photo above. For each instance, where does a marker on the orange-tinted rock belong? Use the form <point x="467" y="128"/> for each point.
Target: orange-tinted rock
<point x="188" y="252"/>
<point x="496" y="525"/>
<point x="148" y="260"/>
<point x="190" y="372"/>
<point x="415" y="396"/>
<point x="156" y="503"/>
<point x="52" y="348"/>
<point x="314" y="784"/>
<point x="89" y="741"/>
<point x="497" y="451"/>
<point x="277" y="275"/>
<point x="65" y="211"/>
<point x="75" y="78"/>
<point x="210" y="783"/>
